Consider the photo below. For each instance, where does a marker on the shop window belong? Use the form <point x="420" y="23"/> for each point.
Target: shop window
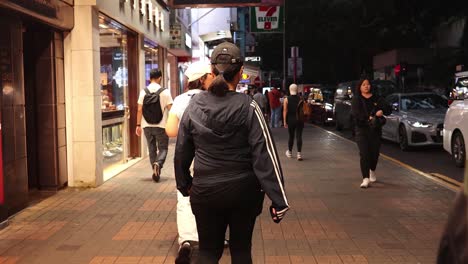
<point x="151" y="58"/>
<point x="114" y="68"/>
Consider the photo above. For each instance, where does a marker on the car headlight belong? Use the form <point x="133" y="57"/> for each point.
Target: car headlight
<point x="328" y="107"/>
<point x="419" y="124"/>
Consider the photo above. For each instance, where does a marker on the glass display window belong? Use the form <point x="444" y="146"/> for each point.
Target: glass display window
<point x="151" y="58"/>
<point x="112" y="144"/>
<point x="114" y="67"/>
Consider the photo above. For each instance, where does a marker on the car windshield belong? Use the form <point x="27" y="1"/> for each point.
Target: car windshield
<point x="423" y="101"/>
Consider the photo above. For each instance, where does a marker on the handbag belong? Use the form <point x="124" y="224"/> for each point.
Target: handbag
<point x="376" y="122"/>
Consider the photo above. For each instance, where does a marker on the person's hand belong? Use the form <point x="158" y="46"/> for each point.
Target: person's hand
<point x="138" y="131"/>
<point x="277" y="214"/>
<point x="285" y="125"/>
<point x="379" y="113"/>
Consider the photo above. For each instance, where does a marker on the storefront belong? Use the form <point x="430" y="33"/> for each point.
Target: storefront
<point x="33" y="153"/>
<point x="112" y="47"/>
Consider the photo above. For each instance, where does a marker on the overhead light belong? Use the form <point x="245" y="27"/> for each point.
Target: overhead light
<point x="103" y="26"/>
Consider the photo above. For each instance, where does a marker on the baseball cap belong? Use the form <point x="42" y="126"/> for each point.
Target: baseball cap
<point x="196" y="70"/>
<point x="226" y="53"/>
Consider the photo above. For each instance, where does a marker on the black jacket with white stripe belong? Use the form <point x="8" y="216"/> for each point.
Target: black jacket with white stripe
<point x="230" y="141"/>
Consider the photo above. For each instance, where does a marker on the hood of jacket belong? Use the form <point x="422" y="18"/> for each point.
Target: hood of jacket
<point x="222" y="115"/>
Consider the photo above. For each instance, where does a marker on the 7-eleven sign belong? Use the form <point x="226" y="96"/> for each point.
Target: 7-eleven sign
<point x="266" y="19"/>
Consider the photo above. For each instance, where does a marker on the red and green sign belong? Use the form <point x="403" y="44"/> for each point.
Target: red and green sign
<point x="266" y="19"/>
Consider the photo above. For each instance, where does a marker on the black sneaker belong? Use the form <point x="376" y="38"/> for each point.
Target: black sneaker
<point x="156" y="172"/>
<point x="185" y="252"/>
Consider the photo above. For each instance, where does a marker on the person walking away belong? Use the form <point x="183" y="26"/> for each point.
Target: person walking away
<point x="293" y="118"/>
<point x="199" y="78"/>
<point x="368" y="110"/>
<point x="260" y="99"/>
<point x="154" y="103"/>
<point x="275" y="106"/>
<point x="235" y="164"/>
<point x="267" y="114"/>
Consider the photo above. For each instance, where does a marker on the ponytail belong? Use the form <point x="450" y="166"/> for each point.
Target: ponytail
<point x="219" y="86"/>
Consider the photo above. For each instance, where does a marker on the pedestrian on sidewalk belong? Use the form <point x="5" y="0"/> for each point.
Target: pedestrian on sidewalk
<point x="260" y="99"/>
<point x="235" y="162"/>
<point x="154" y="104"/>
<point x="275" y="106"/>
<point x="368" y="110"/>
<point x="293" y="118"/>
<point x="199" y="78"/>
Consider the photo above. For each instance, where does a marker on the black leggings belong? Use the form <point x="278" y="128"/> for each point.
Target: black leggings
<point x="237" y="208"/>
<point x="295" y="129"/>
<point x="368" y="141"/>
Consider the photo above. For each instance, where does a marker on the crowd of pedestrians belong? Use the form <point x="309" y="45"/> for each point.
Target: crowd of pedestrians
<point x="226" y="159"/>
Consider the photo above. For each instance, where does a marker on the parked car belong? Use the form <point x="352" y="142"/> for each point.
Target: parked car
<point x="417" y="119"/>
<point x="344" y="94"/>
<point x="321" y="105"/>
<point x="456" y="121"/>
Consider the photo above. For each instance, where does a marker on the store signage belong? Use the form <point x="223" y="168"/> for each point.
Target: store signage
<point x="153" y="15"/>
<point x="253" y="59"/>
<point x="223" y="3"/>
<point x="175" y="36"/>
<point x="266" y="19"/>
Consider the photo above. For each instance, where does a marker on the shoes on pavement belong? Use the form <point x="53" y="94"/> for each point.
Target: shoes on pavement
<point x="185" y="252"/>
<point x="299" y="156"/>
<point x="288" y="154"/>
<point x="156" y="172"/>
<point x="373" y="176"/>
<point x="365" y="183"/>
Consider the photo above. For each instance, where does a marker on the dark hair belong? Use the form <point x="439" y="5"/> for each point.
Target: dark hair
<point x="155" y="74"/>
<point x="197" y="84"/>
<point x="219" y="86"/>
<point x="358" y="87"/>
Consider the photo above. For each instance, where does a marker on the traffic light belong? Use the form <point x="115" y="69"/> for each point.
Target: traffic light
<point x="404" y="68"/>
<point x="397" y="70"/>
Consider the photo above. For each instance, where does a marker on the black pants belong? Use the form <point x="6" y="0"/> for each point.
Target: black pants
<point x="368" y="141"/>
<point x="237" y="208"/>
<point x="295" y="129"/>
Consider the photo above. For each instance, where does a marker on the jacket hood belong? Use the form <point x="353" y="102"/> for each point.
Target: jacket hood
<point x="222" y="115"/>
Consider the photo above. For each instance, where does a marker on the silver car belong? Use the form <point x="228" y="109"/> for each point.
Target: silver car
<point x="417" y="119"/>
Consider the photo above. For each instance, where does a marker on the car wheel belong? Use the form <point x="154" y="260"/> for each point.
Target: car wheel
<point x="458" y="150"/>
<point x="403" y="138"/>
<point x="338" y="126"/>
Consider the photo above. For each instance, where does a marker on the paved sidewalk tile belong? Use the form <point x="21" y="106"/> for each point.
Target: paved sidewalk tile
<point x="131" y="219"/>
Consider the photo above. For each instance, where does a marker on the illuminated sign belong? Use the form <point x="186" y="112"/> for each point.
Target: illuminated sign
<point x="266" y="19"/>
<point x="253" y="59"/>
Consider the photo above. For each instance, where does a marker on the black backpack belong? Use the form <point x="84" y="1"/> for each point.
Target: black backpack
<point x="152" y="111"/>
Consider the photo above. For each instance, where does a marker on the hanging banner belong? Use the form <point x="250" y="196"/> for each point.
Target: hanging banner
<point x="266" y="19"/>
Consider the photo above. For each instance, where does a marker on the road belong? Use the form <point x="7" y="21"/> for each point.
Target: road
<point x="432" y="160"/>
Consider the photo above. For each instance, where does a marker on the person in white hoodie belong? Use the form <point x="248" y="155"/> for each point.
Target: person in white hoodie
<point x="199" y="78"/>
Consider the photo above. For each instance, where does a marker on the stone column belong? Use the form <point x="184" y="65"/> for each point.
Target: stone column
<point x="83" y="97"/>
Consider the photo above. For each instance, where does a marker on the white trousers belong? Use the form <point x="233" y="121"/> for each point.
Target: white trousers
<point x="186" y="224"/>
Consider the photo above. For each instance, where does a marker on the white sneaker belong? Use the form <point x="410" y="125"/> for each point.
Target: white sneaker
<point x="299" y="156"/>
<point x="373" y="176"/>
<point x="365" y="183"/>
<point x="288" y="154"/>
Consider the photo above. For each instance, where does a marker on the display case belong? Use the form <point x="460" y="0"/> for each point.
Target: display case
<point x="112" y="144"/>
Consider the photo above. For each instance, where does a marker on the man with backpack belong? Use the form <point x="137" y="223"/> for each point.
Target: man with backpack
<point x="154" y="104"/>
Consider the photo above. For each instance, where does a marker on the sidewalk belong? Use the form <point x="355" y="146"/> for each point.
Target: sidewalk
<point x="131" y="219"/>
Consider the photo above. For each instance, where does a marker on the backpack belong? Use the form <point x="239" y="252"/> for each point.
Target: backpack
<point x="303" y="111"/>
<point x="152" y="111"/>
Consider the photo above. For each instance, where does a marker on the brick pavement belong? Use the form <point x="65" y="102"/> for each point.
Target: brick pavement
<point x="130" y="219"/>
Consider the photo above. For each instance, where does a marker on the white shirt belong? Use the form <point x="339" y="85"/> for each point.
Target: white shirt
<point x="181" y="102"/>
<point x="165" y="99"/>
